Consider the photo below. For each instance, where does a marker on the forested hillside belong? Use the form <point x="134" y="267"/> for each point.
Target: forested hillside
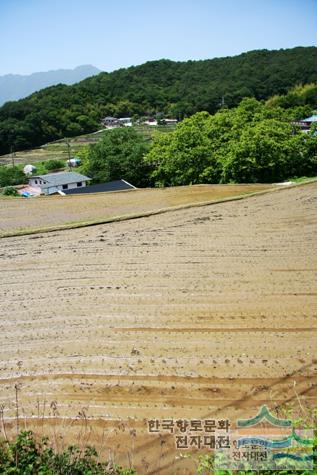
<point x="177" y="89"/>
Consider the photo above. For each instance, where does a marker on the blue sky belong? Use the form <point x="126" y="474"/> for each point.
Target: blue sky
<point x="40" y="35"/>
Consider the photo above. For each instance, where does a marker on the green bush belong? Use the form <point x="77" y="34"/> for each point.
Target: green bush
<point x="120" y="154"/>
<point x="25" y="456"/>
<point x="10" y="176"/>
<point x="10" y="191"/>
<point x="54" y="164"/>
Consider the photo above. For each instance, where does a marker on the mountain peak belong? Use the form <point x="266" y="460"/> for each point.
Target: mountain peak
<point x="16" y="86"/>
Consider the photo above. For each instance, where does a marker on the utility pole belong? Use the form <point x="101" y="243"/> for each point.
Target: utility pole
<point x="12" y="156"/>
<point x="68" y="152"/>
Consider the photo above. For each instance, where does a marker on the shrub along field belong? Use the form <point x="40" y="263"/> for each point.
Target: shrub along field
<point x="200" y="313"/>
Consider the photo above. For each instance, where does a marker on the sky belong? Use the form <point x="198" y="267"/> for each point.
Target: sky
<point x="41" y="35"/>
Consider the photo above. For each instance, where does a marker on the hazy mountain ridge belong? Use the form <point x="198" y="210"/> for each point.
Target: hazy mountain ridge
<point x="16" y="86"/>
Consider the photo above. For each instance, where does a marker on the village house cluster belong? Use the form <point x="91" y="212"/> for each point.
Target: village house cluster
<point x="113" y="122"/>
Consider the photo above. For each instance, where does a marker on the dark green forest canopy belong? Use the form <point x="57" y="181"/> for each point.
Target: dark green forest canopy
<point x="177" y="89"/>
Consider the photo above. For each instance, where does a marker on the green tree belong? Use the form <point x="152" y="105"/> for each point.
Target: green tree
<point x="250" y="143"/>
<point x="181" y="158"/>
<point x="119" y="155"/>
<point x="266" y="152"/>
<point x="10" y="176"/>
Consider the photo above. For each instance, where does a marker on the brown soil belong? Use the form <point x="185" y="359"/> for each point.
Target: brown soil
<point x="207" y="312"/>
<point x="20" y="214"/>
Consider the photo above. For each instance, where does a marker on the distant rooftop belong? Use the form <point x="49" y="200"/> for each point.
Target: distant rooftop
<point x="117" y="185"/>
<point x="62" y="178"/>
<point x="312" y="118"/>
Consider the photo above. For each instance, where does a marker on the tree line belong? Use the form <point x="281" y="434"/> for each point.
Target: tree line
<point x="256" y="141"/>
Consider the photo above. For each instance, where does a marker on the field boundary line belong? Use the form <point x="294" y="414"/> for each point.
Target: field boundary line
<point x="146" y="214"/>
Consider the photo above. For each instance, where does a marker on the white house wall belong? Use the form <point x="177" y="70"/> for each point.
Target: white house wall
<point x="53" y="189"/>
<point x="38" y="181"/>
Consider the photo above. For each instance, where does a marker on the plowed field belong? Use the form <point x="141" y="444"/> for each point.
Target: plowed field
<point x="53" y="212"/>
<point x="207" y="312"/>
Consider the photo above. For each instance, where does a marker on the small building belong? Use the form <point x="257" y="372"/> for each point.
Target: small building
<point x="110" y="122"/>
<point x="305" y="124"/>
<point x="125" y="121"/>
<point x="73" y="162"/>
<point x="117" y="185"/>
<point x="169" y="121"/>
<point x="151" y="121"/>
<point x="58" y="182"/>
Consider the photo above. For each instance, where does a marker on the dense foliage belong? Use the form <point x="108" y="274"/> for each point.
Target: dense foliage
<point x="253" y="142"/>
<point x="299" y="96"/>
<point x="11" y="176"/>
<point x="54" y="164"/>
<point x="27" y="457"/>
<point x="120" y="154"/>
<point x="10" y="191"/>
<point x="178" y="89"/>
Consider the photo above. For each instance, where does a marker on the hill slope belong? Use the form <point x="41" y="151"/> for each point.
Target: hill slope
<point x="16" y="86"/>
<point x="175" y="88"/>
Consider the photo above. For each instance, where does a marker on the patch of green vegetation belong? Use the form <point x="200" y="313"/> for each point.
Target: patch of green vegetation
<point x="40" y="167"/>
<point x="46" y="166"/>
<point x="10" y="176"/>
<point x="10" y="191"/>
<point x="150" y="131"/>
<point x="252" y="143"/>
<point x="26" y="456"/>
<point x="51" y="165"/>
<point x="303" y="179"/>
